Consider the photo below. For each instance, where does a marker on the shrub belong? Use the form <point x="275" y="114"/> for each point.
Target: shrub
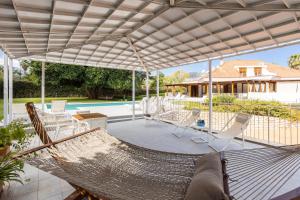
<point x="262" y="108"/>
<point x="14" y="134"/>
<point x="10" y="169"/>
<point x="222" y="99"/>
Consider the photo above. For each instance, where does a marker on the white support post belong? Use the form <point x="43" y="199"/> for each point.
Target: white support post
<point x="147" y="92"/>
<point x="43" y="86"/>
<point x="157" y="88"/>
<point x="10" y="89"/>
<point x="5" y="91"/>
<point x="133" y="94"/>
<point x="210" y="97"/>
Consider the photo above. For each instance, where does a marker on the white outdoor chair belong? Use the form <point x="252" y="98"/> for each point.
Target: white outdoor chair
<point x="237" y="128"/>
<point x="58" y="106"/>
<point x="57" y="119"/>
<point x="186" y="122"/>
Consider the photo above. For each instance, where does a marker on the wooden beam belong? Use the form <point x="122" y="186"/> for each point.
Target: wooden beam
<point x="136" y="53"/>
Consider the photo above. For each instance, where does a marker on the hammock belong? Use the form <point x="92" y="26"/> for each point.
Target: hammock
<point x="104" y="166"/>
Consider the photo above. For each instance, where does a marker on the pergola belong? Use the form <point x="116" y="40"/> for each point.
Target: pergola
<point x="143" y="35"/>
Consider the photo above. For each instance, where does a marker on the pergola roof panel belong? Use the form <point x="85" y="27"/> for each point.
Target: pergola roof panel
<point x="123" y="33"/>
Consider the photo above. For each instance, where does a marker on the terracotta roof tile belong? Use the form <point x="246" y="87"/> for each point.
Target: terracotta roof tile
<point x="228" y="70"/>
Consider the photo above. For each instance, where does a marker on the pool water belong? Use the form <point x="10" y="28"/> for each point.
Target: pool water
<point x="77" y="106"/>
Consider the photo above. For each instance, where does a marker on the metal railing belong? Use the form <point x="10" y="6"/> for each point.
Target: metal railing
<point x="269" y="124"/>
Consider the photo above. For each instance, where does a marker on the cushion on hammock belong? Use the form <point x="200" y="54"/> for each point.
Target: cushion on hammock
<point x="207" y="182"/>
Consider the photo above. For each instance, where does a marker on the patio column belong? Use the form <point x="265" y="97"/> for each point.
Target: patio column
<point x="5" y="90"/>
<point x="248" y="87"/>
<point x="157" y="87"/>
<point x="133" y="94"/>
<point x="10" y="89"/>
<point x="210" y="98"/>
<point x="43" y="86"/>
<point x="232" y="88"/>
<point x="147" y="92"/>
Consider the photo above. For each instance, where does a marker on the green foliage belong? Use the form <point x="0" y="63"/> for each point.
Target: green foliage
<point x="153" y="81"/>
<point x="75" y="80"/>
<point x="253" y="107"/>
<point x="95" y="79"/>
<point x="217" y="99"/>
<point x="120" y="80"/>
<point x="14" y="134"/>
<point x="10" y="169"/>
<point x="177" y="77"/>
<point x="294" y="61"/>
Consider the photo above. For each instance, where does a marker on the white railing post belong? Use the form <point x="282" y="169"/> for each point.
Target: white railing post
<point x="5" y="90"/>
<point x="157" y="89"/>
<point x="43" y="86"/>
<point x="210" y="97"/>
<point x="10" y="89"/>
<point x="133" y="94"/>
<point x="147" y="92"/>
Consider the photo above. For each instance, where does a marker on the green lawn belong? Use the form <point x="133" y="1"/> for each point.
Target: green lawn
<point x="49" y="99"/>
<point x="69" y="99"/>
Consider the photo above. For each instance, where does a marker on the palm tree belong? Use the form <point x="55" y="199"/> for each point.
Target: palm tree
<point x="294" y="61"/>
<point x="25" y="64"/>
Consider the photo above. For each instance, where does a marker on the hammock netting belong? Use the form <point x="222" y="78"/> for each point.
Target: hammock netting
<point x="106" y="166"/>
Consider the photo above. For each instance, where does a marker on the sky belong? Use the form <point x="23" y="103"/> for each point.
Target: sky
<point x="278" y="56"/>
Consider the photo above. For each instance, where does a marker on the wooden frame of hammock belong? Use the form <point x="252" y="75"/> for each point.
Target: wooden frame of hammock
<point x="79" y="192"/>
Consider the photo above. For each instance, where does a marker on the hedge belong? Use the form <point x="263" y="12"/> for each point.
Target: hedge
<point x="26" y="89"/>
<point x="253" y="107"/>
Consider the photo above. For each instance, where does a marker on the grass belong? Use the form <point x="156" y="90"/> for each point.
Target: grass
<point x="49" y="99"/>
<point x="69" y="99"/>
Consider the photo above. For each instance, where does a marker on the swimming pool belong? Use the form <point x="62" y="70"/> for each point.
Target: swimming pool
<point x="77" y="106"/>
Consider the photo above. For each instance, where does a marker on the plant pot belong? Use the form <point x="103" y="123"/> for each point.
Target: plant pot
<point x="4" y="151"/>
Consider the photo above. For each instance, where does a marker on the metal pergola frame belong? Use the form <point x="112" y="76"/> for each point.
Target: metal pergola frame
<point x="143" y="35"/>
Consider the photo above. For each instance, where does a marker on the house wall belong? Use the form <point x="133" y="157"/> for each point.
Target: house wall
<point x="286" y="92"/>
<point x="288" y="87"/>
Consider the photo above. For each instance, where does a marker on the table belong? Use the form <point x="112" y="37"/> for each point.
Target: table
<point x="91" y="120"/>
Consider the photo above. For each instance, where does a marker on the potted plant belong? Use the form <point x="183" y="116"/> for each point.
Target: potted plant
<point x="10" y="170"/>
<point x="13" y="138"/>
<point x="12" y="135"/>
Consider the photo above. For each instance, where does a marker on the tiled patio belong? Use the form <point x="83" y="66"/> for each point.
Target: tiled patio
<point x="37" y="185"/>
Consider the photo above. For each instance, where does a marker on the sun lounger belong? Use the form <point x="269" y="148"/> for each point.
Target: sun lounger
<point x="233" y="128"/>
<point x="186" y="122"/>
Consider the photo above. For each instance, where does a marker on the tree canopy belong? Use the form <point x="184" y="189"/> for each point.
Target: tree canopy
<point x="294" y="61"/>
<point x="92" y="79"/>
<point x="177" y="77"/>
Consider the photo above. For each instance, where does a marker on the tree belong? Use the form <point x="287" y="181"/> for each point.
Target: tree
<point x="294" y="61"/>
<point x="161" y="81"/>
<point x="95" y="79"/>
<point x="120" y="80"/>
<point x="25" y="64"/>
<point x="177" y="77"/>
<point x="74" y="79"/>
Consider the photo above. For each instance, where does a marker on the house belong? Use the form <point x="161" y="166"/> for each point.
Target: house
<point x="251" y="79"/>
